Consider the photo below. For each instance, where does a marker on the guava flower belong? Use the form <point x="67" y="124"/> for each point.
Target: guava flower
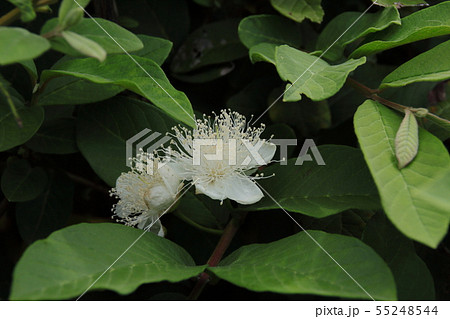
<point x="219" y="155"/>
<point x="145" y="193"/>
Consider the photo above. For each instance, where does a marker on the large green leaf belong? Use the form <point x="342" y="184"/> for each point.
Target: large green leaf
<point x="50" y="211"/>
<point x="213" y="43"/>
<point x="402" y="191"/>
<point x="18" y="45"/>
<point x="267" y="28"/>
<point x="341" y="30"/>
<point x="145" y="78"/>
<point x="413" y="279"/>
<point x="66" y="263"/>
<point x="11" y="134"/>
<point x="310" y="75"/>
<point x="27" y="13"/>
<point x="297" y="264"/>
<point x="118" y="40"/>
<point x="104" y="128"/>
<point x="427" y="23"/>
<point x="298" y="10"/>
<point x="71" y="90"/>
<point x="156" y="49"/>
<point x="21" y="183"/>
<point x="432" y="65"/>
<point x="344" y="182"/>
<point x="55" y="136"/>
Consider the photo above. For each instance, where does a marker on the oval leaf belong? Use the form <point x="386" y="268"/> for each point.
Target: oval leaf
<point x="66" y="263"/>
<point x="21" y="183"/>
<point x="400" y="190"/>
<point x="18" y="45"/>
<point x="84" y="45"/>
<point x="427" y="23"/>
<point x="297" y="264"/>
<point x="298" y="10"/>
<point x="407" y="140"/>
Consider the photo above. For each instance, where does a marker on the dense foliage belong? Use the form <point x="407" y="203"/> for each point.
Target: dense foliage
<point x="369" y="87"/>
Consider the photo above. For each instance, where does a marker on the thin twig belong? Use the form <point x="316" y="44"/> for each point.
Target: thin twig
<point x="216" y="256"/>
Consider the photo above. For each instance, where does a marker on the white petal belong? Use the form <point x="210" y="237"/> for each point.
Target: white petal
<point x="215" y="190"/>
<point x="267" y="151"/>
<point x="243" y="190"/>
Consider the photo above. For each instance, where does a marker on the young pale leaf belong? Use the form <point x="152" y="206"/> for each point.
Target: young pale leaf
<point x="340" y="32"/>
<point x="18" y="45"/>
<point x="67" y="6"/>
<point x="266" y="28"/>
<point x="400" y="4"/>
<point x="427" y="23"/>
<point x="50" y="211"/>
<point x="66" y="263"/>
<point x="27" y="13"/>
<point x="21" y="183"/>
<point x="297" y="264"/>
<point x="145" y="78"/>
<point x="310" y="75"/>
<point x="115" y="40"/>
<point x="72" y="18"/>
<point x="298" y="10"/>
<point x="84" y="45"/>
<point x="401" y="190"/>
<point x="407" y="140"/>
<point x="412" y="277"/>
<point x="104" y="128"/>
<point x="432" y="65"/>
<point x="211" y="44"/>
<point x="344" y="182"/>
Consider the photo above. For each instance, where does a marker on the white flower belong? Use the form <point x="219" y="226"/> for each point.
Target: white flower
<point x="143" y="197"/>
<point x="227" y="174"/>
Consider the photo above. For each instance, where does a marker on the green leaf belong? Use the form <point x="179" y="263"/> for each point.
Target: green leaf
<point x="21" y="183"/>
<point x="400" y="190"/>
<point x="310" y="75"/>
<point x="297" y="264"/>
<point x="66" y="263"/>
<point x="68" y="5"/>
<point x="427" y="23"/>
<point x="55" y="137"/>
<point x="412" y="277"/>
<point x="156" y="49"/>
<point x="430" y="66"/>
<point x="18" y="45"/>
<point x="30" y="67"/>
<point x="102" y="131"/>
<point x="267" y="28"/>
<point x="144" y="78"/>
<point x="72" y="18"/>
<point x="27" y="13"/>
<point x="11" y="134"/>
<point x="263" y="52"/>
<point x="341" y="30"/>
<point x="407" y="140"/>
<point x="84" y="45"/>
<point x="344" y="182"/>
<point x="298" y="10"/>
<point x="50" y="211"/>
<point x="400" y="4"/>
<point x="213" y="43"/>
<point x="118" y="40"/>
<point x="71" y="90"/>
